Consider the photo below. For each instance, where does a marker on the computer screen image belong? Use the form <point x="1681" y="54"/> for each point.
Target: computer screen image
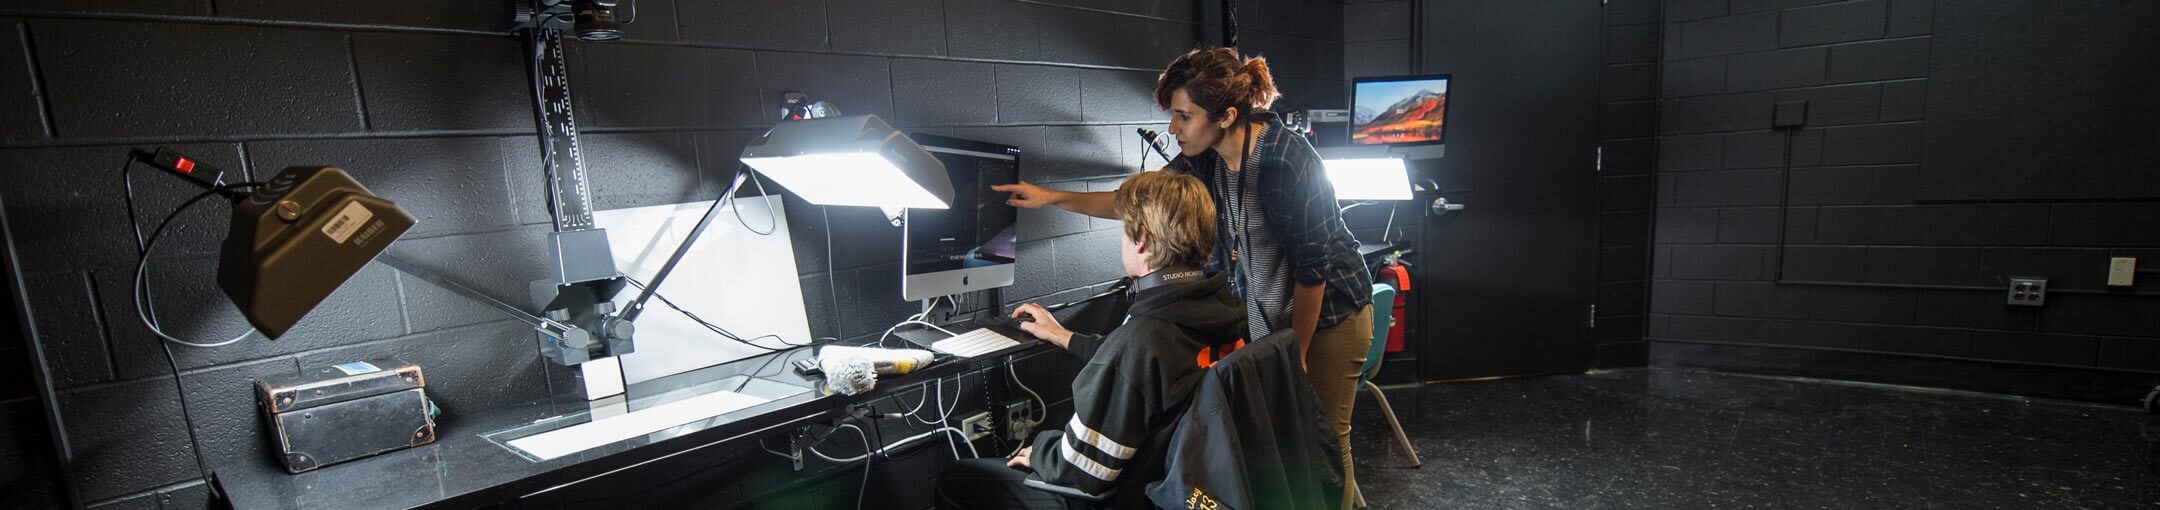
<point x="972" y="245"/>
<point x="1403" y="110"/>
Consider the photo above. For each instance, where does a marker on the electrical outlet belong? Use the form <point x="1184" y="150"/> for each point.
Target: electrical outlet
<point x="2122" y="272"/>
<point x="1019" y="419"/>
<point x="2028" y="292"/>
<point x="977" y="426"/>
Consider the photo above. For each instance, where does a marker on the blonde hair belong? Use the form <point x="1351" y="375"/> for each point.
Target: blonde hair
<point x="1172" y="213"/>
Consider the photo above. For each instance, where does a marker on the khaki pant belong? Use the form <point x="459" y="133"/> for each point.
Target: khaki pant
<point x="1337" y="353"/>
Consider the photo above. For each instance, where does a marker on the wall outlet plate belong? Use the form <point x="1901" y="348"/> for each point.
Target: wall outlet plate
<point x="977" y="426"/>
<point x="1019" y="419"/>
<point x="2122" y="271"/>
<point x="2028" y="291"/>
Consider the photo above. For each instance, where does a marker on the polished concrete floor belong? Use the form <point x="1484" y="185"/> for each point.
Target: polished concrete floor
<point x="1650" y="438"/>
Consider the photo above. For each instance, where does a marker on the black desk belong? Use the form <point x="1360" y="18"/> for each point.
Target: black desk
<point x="463" y="469"/>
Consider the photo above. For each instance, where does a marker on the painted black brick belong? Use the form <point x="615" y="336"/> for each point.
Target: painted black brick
<point x="1881" y="60"/>
<point x="1839" y="105"/>
<point x="764" y="25"/>
<point x="1730" y="35"/>
<point x="932" y="92"/>
<point x="298" y="81"/>
<point x="1682" y="297"/>
<point x="1687" y="226"/>
<point x="1911" y="17"/>
<point x="1870" y="305"/>
<point x="1713" y="262"/>
<point x="1379" y="21"/>
<point x="1776" y="69"/>
<point x="1833" y="23"/>
<point x="1618" y="13"/>
<point x="1037" y="94"/>
<point x="1750" y="225"/>
<point x="1684" y="10"/>
<point x="1825" y="263"/>
<point x="1694" y="77"/>
<point x="857" y="84"/>
<point x="907" y="27"/>
<point x="426" y="82"/>
<point x="1763" y="299"/>
<point x="999" y="29"/>
<point x="1904" y="100"/>
<point x="1872" y="144"/>
<point x="1631" y="44"/>
<point x="2036" y="347"/>
<point x="1698" y="152"/>
<point x="22" y="116"/>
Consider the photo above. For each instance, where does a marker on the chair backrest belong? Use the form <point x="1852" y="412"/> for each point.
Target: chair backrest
<point x="1383" y="303"/>
<point x="1254" y="432"/>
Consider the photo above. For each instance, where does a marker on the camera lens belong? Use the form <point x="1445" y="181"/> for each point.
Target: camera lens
<point x="597" y="24"/>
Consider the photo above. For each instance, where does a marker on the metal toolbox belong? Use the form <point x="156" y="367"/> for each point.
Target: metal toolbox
<point x="345" y="412"/>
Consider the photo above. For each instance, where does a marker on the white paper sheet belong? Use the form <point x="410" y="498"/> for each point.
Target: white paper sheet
<point x="733" y="277"/>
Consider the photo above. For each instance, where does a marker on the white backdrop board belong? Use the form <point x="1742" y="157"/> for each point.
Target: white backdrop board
<point x="734" y="278"/>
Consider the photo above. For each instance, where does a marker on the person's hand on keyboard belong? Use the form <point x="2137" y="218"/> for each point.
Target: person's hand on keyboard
<point x="1036" y="320"/>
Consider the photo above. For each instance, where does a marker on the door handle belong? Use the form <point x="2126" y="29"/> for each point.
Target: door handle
<point x="1441" y="206"/>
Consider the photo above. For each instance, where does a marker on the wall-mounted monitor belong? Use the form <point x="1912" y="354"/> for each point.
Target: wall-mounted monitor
<point x="1399" y="110"/>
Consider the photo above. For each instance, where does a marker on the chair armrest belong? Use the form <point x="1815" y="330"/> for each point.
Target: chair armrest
<point x="1037" y="483"/>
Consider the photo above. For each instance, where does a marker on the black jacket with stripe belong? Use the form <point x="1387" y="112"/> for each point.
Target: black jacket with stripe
<point x="1135" y="384"/>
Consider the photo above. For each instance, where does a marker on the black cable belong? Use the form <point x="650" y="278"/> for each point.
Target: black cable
<point x="773" y="220"/>
<point x="864" y="487"/>
<point x="900" y="406"/>
<point x="715" y="328"/>
<point x="142" y="266"/>
<point x="142" y="253"/>
<point x="1777" y="274"/>
<point x="760" y="371"/>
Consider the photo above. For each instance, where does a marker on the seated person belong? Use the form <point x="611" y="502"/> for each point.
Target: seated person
<point x="1137" y="379"/>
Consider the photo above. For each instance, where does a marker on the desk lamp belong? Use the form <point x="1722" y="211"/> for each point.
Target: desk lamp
<point x="293" y="240"/>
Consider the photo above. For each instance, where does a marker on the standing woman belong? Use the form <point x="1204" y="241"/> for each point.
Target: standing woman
<point x="1291" y="256"/>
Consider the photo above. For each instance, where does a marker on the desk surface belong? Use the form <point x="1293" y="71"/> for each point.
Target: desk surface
<point x="463" y="468"/>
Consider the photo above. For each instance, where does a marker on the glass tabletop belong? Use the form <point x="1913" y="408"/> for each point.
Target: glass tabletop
<point x="666" y="408"/>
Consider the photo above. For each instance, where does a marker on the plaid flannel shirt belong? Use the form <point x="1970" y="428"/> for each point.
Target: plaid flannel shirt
<point x="1299" y="203"/>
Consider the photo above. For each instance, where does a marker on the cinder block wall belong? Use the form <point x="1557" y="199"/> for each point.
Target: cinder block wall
<point x="1899" y="247"/>
<point x="428" y="103"/>
<point x="1628" y="127"/>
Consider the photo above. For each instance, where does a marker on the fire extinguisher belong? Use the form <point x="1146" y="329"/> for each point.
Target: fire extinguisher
<point x="1396" y="273"/>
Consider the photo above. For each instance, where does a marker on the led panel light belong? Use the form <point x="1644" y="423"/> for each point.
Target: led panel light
<point x="1369" y="178"/>
<point x="855" y="160"/>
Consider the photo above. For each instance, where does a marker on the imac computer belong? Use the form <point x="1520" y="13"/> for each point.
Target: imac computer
<point x="972" y="245"/>
<point x="1399" y="110"/>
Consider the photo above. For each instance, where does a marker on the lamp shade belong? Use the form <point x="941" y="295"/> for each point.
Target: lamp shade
<point x="854" y="160"/>
<point x="1369" y="178"/>
<point x="298" y="239"/>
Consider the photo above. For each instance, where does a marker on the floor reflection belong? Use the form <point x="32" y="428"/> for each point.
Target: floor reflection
<point x="1655" y="438"/>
